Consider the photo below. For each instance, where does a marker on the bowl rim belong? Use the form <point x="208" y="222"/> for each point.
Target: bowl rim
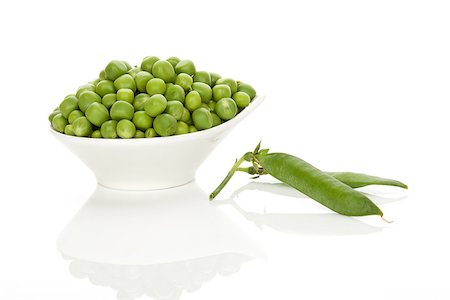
<point x="173" y="138"/>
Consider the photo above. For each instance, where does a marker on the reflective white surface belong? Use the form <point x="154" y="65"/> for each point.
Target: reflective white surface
<point x="146" y="227"/>
<point x="350" y="86"/>
<point x="158" y="281"/>
<point x="158" y="243"/>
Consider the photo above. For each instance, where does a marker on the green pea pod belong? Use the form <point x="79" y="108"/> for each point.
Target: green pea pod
<point x="356" y="180"/>
<point x="318" y="185"/>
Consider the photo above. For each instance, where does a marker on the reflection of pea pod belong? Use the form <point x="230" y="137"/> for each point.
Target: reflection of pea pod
<point x="356" y="180"/>
<point x="318" y="185"/>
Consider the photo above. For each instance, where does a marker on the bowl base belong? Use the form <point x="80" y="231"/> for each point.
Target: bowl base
<point x="143" y="189"/>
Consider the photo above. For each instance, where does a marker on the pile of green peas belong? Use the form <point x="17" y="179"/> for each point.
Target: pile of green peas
<point x="158" y="98"/>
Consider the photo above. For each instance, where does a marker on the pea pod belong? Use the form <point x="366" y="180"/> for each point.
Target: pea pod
<point x="318" y="185"/>
<point x="357" y="180"/>
<point x="332" y="189"/>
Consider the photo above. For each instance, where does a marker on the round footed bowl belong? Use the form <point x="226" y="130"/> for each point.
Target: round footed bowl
<point x="150" y="163"/>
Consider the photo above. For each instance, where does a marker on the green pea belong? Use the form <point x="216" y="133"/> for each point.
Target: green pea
<point x="192" y="128"/>
<point x="173" y="61"/>
<point x="242" y="99"/>
<point x="69" y="130"/>
<point x="126" y="129"/>
<point x="127" y="64"/>
<point x="206" y="106"/>
<point x="87" y="98"/>
<point x="230" y="82"/>
<point x="125" y="82"/>
<point x="115" y="69"/>
<point x="185" y="66"/>
<point x="96" y="134"/>
<point x="202" y="118"/>
<point x="204" y="90"/>
<point x="105" y="87"/>
<point x="139" y="101"/>
<point x="121" y="110"/>
<point x="226" y="108"/>
<point x="97" y="114"/>
<point x="69" y="104"/>
<point x="164" y="70"/>
<point x="54" y="113"/>
<point x="202" y="76"/>
<point x="184" y="80"/>
<point x="182" y="128"/>
<point x="155" y="105"/>
<point x="186" y="116"/>
<point x="125" y="95"/>
<point x="59" y="122"/>
<point x="142" y="121"/>
<point x="216" y="119"/>
<point x="175" y="92"/>
<point x="102" y="75"/>
<point x="212" y="105"/>
<point x="221" y="91"/>
<point x="139" y="134"/>
<point x="108" y="100"/>
<point x="246" y="88"/>
<point x="141" y="80"/>
<point x="214" y="78"/>
<point x="175" y="108"/>
<point x="83" y="88"/>
<point x="193" y="100"/>
<point x="134" y="71"/>
<point x="148" y="62"/>
<point x="155" y="86"/>
<point x="95" y="81"/>
<point x="75" y="115"/>
<point x="82" y="127"/>
<point x="108" y="129"/>
<point x="165" y="125"/>
<point x="149" y="133"/>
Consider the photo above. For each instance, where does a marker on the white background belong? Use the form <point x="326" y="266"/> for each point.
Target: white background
<point x="349" y="85"/>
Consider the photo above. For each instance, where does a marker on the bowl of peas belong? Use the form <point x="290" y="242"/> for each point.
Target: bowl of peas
<point x="150" y="126"/>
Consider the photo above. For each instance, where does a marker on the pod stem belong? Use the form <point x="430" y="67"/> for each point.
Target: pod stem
<point x="387" y="221"/>
<point x="248" y="170"/>
<point x="228" y="177"/>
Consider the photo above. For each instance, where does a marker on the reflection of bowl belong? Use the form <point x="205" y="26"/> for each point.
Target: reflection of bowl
<point x="148" y="227"/>
<point x="155" y="163"/>
<point x="159" y="243"/>
<point x="158" y="281"/>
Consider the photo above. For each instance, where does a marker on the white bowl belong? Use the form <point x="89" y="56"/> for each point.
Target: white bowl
<point x="150" y="163"/>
